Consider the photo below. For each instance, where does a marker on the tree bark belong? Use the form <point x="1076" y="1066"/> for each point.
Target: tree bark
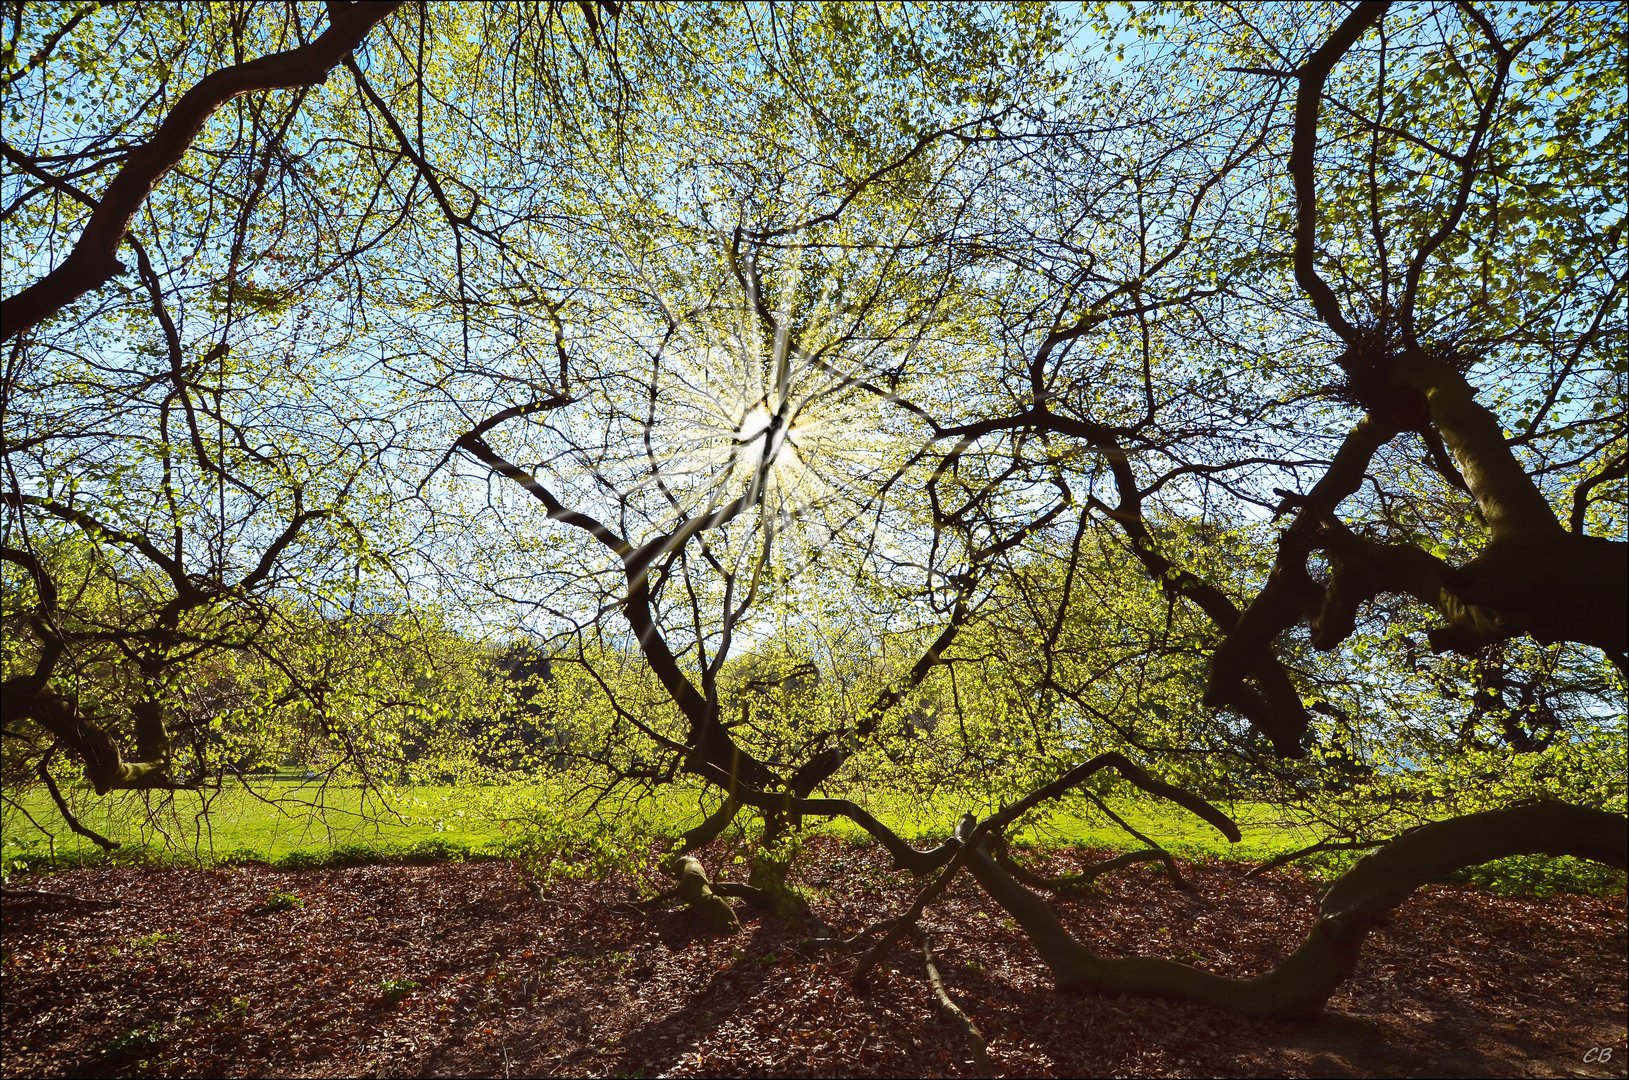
<point x="971" y="1035"/>
<point x="697" y="893"/>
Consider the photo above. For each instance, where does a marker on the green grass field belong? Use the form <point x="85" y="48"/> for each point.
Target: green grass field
<point x="296" y="822"/>
<point x="277" y="818"/>
<point x="270" y="820"/>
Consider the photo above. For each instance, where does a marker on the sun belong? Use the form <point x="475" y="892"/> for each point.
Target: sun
<point x="762" y="422"/>
<point x="745" y="408"/>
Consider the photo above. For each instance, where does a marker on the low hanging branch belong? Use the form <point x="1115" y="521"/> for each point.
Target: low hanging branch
<point x="908" y="920"/>
<point x="1130" y="772"/>
<point x="1311" y="849"/>
<point x="67" y="813"/>
<point x="698" y="892"/>
<point x="918" y="861"/>
<point x="971" y="1034"/>
<point x="1155" y="851"/>
<point x="971" y="834"/>
<point x="1080" y="880"/>
<point x="1354" y="905"/>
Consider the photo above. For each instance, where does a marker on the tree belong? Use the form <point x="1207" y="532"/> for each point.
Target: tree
<point x="699" y="396"/>
<point x="1083" y="395"/>
<point x="1412" y="346"/>
<point x="1407" y="361"/>
<point x="775" y="365"/>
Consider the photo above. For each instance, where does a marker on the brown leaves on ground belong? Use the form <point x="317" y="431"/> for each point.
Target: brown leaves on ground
<point x="456" y="969"/>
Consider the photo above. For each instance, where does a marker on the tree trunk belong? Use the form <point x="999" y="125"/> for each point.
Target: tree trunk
<point x="770" y="865"/>
<point x="697" y="893"/>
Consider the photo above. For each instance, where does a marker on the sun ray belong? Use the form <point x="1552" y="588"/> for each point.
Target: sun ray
<point x="776" y="409"/>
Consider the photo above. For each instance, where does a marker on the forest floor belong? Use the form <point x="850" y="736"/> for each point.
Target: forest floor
<point x="455" y="969"/>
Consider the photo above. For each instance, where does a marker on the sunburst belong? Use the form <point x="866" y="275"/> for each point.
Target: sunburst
<point x="742" y="406"/>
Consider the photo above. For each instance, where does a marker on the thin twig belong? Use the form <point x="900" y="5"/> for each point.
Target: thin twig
<point x="1323" y="845"/>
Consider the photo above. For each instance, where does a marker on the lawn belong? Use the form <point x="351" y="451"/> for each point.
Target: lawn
<point x="274" y="819"/>
<point x="296" y="822"/>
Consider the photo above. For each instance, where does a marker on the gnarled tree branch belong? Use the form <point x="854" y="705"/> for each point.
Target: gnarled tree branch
<point x="94" y="258"/>
<point x="1354" y="905"/>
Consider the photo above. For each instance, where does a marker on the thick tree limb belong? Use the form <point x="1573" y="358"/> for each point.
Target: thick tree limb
<point x="1355" y="904"/>
<point x="1362" y="569"/>
<point x="94" y="258"/>
<point x="697" y="893"/>
<point x="711" y="827"/>
<point x="1511" y="503"/>
<point x="1533" y="577"/>
<point x="1303" y="163"/>
<point x="90" y="742"/>
<point x="1290" y="594"/>
<point x="1552" y="584"/>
